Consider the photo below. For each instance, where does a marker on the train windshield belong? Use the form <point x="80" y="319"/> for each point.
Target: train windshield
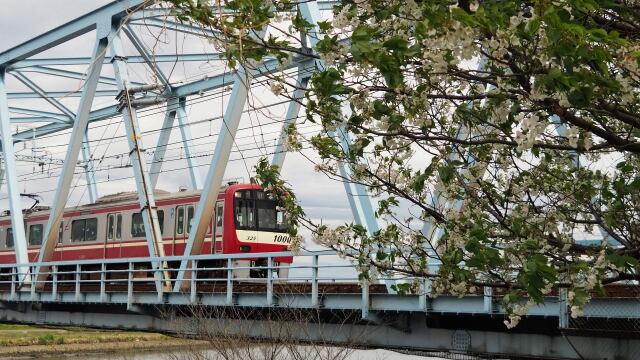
<point x="254" y="210"/>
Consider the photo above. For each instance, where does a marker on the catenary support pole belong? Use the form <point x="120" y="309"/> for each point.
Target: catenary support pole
<point x="77" y="135"/>
<point x="146" y="197"/>
<point x="89" y="171"/>
<point x="15" y="204"/>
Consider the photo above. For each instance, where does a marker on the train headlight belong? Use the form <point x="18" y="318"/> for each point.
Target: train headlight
<point x="245" y="248"/>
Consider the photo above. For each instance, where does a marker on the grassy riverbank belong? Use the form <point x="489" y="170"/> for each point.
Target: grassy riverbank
<point x="25" y="340"/>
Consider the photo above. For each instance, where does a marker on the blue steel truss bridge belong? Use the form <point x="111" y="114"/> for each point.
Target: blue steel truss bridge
<point x="129" y="74"/>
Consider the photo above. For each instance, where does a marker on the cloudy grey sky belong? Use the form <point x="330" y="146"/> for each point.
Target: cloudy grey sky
<point x="23" y="20"/>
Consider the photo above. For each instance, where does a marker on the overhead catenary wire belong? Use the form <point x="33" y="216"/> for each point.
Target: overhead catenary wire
<point x="172" y="170"/>
<point x="166" y="160"/>
<point x="146" y="112"/>
<point x="167" y="146"/>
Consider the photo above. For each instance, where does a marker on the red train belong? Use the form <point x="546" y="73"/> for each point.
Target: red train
<point x="245" y="220"/>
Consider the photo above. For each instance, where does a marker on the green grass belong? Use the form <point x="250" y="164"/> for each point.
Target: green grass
<point x="25" y="335"/>
<point x="14" y="326"/>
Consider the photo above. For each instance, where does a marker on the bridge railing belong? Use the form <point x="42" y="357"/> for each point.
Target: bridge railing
<point x="216" y="272"/>
<point x="312" y="280"/>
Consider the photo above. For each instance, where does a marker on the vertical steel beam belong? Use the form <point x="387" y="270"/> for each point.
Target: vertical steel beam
<point x="229" y="282"/>
<point x="143" y="182"/>
<point x="314" y="282"/>
<point x="71" y="158"/>
<point x="2" y="170"/>
<point x="292" y="116"/>
<point x="15" y="205"/>
<point x="89" y="171"/>
<point x="563" y="309"/>
<point x="163" y="140"/>
<point x="185" y="132"/>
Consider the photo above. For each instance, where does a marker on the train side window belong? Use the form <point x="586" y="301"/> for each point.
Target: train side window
<point x="219" y="217"/>
<point x="180" y="221"/>
<point x="91" y="229"/>
<point x="137" y="225"/>
<point x="60" y="232"/>
<point x="189" y="218"/>
<point x="35" y="234"/>
<point x="77" y="230"/>
<point x="9" y="239"/>
<point x="161" y="220"/>
<point x="119" y="226"/>
<point x="111" y="221"/>
<point x="114" y="227"/>
<point x="84" y="230"/>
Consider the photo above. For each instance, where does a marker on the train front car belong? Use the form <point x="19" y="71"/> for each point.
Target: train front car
<point x="256" y="225"/>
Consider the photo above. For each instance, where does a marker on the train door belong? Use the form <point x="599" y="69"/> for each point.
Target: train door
<point x="184" y="221"/>
<point x="179" y="235"/>
<point x="217" y="236"/>
<point x="113" y="240"/>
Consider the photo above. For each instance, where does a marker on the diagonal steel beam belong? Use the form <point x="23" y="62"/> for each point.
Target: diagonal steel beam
<point x="291" y="117"/>
<point x="15" y="205"/>
<point x="163" y="140"/>
<point x="146" y="54"/>
<point x="38" y="90"/>
<point x="99" y="20"/>
<point x="166" y="58"/>
<point x="185" y="132"/>
<point x="71" y="158"/>
<point x="175" y="108"/>
<point x="213" y="183"/>
<point x="59" y="94"/>
<point x="86" y="152"/>
<point x="71" y="74"/>
<point x="51" y="117"/>
<point x="178" y="27"/>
